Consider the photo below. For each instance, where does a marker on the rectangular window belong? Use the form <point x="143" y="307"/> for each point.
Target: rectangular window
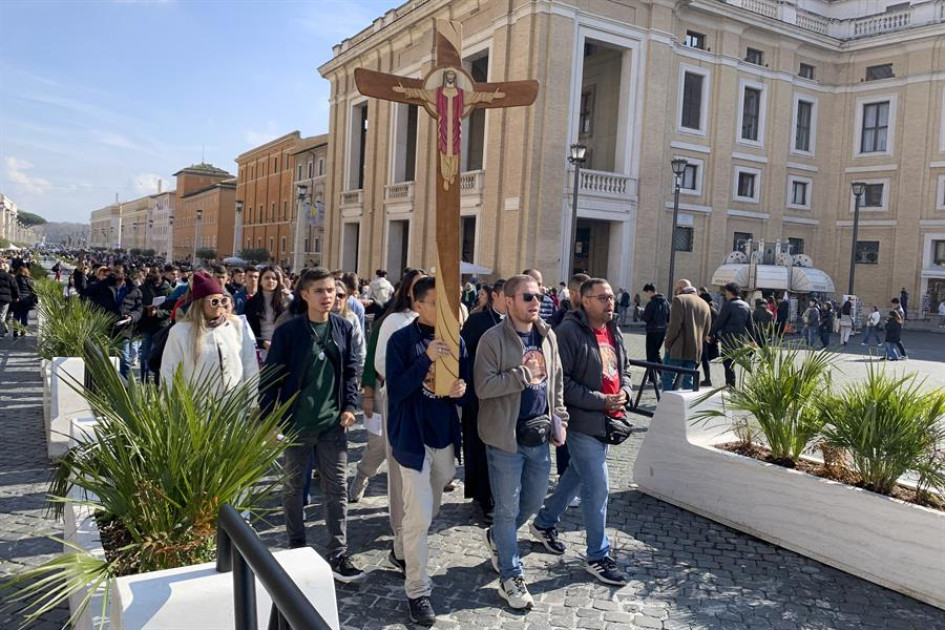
<point x="751" y="112"/>
<point x="272" y="212"/>
<point x="682" y="239"/>
<point x="797" y="245"/>
<point x="875" y="127"/>
<point x="806" y="71"/>
<point x="285" y="210"/>
<point x="690" y="177"/>
<point x="310" y="170"/>
<point x="755" y="56"/>
<point x="882" y="71"/>
<point x="740" y="240"/>
<point x="867" y="252"/>
<point x="321" y="167"/>
<point x="938" y="253"/>
<point x="275" y="168"/>
<point x="282" y="244"/>
<point x="802" y="129"/>
<point x="799" y="193"/>
<point x="873" y="196"/>
<point x="299" y="177"/>
<point x="746" y="185"/>
<point x="587" y="112"/>
<point x="692" y="101"/>
<point x="695" y="40"/>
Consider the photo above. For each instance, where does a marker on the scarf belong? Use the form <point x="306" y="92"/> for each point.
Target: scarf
<point x="216" y="323"/>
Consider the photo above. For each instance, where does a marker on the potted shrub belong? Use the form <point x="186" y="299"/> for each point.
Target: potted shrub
<point x="161" y="462"/>
<point x="885" y="430"/>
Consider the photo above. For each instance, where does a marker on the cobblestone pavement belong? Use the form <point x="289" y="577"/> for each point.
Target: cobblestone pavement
<point x="687" y="572"/>
<point x="24" y="473"/>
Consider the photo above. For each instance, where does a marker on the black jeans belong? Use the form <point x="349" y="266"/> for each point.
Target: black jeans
<point x="331" y="448"/>
<point x="654" y="343"/>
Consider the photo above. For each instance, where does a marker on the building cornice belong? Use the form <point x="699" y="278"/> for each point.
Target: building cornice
<point x="292" y="135"/>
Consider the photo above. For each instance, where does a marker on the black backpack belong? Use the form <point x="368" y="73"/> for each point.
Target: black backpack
<point x="158" y="341"/>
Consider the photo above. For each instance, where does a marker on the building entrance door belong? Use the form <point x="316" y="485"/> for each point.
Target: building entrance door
<point x="592" y="249"/>
<point x="397" y="244"/>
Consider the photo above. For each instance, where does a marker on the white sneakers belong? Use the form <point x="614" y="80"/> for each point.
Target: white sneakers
<point x="515" y="592"/>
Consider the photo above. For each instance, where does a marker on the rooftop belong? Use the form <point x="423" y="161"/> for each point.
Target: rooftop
<point x="204" y="169"/>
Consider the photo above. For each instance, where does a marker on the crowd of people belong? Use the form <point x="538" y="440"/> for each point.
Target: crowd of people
<point x="535" y="372"/>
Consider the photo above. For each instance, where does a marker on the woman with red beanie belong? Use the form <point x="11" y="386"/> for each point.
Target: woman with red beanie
<point x="208" y="342"/>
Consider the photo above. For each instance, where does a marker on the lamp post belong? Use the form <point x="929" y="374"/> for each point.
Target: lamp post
<point x="197" y="237"/>
<point x="170" y="238"/>
<point x="858" y="189"/>
<point x="679" y="167"/>
<point x="238" y="227"/>
<point x="578" y="154"/>
<point x="298" y="256"/>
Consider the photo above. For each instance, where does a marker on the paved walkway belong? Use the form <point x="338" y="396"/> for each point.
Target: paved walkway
<point x="687" y="572"/>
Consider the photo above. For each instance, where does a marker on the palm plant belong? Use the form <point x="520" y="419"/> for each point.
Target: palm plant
<point x="889" y="426"/>
<point x="780" y="389"/>
<point x="68" y="323"/>
<point x="161" y="463"/>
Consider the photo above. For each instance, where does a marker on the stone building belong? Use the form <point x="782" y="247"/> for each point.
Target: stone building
<point x="160" y="222"/>
<point x="777" y="106"/>
<point x="204" y="211"/>
<point x="310" y="168"/>
<point x="105" y="227"/>
<point x="134" y="223"/>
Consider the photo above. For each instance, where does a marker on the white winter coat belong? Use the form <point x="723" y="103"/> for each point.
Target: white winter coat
<point x="225" y="350"/>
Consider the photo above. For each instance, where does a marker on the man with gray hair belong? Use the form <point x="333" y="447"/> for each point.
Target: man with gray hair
<point x="689" y="322"/>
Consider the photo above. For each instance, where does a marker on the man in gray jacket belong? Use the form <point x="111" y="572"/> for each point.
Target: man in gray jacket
<point x="518" y="380"/>
<point x="596" y="392"/>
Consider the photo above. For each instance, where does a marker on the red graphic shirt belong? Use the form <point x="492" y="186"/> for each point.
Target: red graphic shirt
<point x="608" y="358"/>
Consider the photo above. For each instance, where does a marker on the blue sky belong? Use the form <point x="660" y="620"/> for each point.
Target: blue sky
<point x="106" y="97"/>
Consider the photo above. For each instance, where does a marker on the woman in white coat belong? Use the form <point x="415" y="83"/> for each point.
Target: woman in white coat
<point x="208" y="343"/>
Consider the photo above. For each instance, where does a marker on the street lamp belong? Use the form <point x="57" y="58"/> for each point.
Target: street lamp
<point x="577" y="155"/>
<point x="169" y="244"/>
<point x="298" y="256"/>
<point x="679" y="167"/>
<point x="197" y="237"/>
<point x="238" y="227"/>
<point x="858" y="189"/>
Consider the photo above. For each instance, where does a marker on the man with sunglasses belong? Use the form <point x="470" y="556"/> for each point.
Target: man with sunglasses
<point x="312" y="357"/>
<point x="518" y="379"/>
<point x="596" y="391"/>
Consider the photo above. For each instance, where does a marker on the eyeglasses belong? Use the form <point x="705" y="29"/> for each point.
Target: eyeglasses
<point x="528" y="297"/>
<point x="603" y="298"/>
<point x="220" y="301"/>
<point x="341" y="295"/>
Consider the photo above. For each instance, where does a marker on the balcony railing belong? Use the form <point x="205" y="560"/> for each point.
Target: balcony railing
<point x="920" y="14"/>
<point x="399" y="192"/>
<point x="472" y="182"/>
<point x="352" y="198"/>
<point x="606" y="184"/>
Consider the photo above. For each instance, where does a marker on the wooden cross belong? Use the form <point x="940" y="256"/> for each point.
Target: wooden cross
<point x="448" y="93"/>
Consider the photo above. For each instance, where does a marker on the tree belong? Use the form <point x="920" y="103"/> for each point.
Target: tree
<point x="147" y="253"/>
<point x="135" y="251"/>
<point x="29" y="219"/>
<point x="255" y="255"/>
<point x="206" y="253"/>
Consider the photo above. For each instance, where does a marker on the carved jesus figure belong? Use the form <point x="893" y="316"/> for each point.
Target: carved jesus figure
<point x="450" y="104"/>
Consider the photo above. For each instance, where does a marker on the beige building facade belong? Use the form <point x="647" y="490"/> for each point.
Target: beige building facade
<point x="777" y="106"/>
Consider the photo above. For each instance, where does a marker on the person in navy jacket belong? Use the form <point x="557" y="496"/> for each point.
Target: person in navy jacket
<point x="312" y="356"/>
<point x="424" y="434"/>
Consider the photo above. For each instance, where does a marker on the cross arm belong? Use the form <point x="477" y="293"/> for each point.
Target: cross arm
<point x="381" y="85"/>
<point x="517" y="93"/>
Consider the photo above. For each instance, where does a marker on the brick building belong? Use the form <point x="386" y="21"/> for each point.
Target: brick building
<point x="204" y="211"/>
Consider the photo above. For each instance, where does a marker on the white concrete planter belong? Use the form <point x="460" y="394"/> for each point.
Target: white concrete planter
<point x="187" y="597"/>
<point x="45" y="373"/>
<point x="65" y="403"/>
<point x="897" y="545"/>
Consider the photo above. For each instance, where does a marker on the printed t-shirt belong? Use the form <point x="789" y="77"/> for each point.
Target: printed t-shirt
<point x="535" y="395"/>
<point x="608" y="358"/>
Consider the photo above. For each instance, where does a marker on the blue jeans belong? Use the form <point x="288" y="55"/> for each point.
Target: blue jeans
<point x="811" y="335"/>
<point x="587" y="474"/>
<point x="892" y="351"/>
<point x="519" y="483"/>
<point x="670" y="377"/>
<point x="144" y="350"/>
<point x="125" y="356"/>
<point x="870" y="333"/>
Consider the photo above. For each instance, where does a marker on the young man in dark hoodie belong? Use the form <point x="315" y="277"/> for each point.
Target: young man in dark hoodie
<point x="656" y="316"/>
<point x="312" y="355"/>
<point x="424" y="434"/>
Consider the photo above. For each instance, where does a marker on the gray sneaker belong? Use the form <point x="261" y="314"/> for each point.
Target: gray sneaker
<point x="493" y="549"/>
<point x="358" y="486"/>
<point x="515" y="592"/>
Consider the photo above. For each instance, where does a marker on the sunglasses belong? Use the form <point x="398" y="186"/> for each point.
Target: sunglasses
<point x="341" y="295"/>
<point x="528" y="297"/>
<point x="220" y="301"/>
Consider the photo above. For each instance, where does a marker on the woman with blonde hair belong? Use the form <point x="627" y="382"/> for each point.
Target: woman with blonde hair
<point x="208" y="342"/>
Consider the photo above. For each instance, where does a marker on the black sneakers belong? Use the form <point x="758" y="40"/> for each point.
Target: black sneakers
<point x="606" y="571"/>
<point x="547" y="537"/>
<point x="421" y="611"/>
<point x="345" y="571"/>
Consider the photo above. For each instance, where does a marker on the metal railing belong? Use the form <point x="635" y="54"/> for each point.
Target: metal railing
<point x="239" y="550"/>
<point x="651" y="375"/>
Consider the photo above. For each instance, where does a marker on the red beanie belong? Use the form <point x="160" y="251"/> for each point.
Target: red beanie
<point x="204" y="285"/>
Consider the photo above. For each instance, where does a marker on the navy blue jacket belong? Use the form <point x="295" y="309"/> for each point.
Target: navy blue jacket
<point x="290" y="356"/>
<point x="406" y="402"/>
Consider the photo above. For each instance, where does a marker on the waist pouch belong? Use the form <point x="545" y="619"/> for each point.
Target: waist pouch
<point x="534" y="431"/>
<point x="616" y="430"/>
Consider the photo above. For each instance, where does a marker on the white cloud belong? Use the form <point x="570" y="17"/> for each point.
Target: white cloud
<point x="15" y="172"/>
<point x="112" y="139"/>
<point x="146" y="183"/>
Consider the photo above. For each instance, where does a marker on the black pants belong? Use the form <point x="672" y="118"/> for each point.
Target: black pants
<point x="476" y="478"/>
<point x="654" y="343"/>
<point x="902" y="350"/>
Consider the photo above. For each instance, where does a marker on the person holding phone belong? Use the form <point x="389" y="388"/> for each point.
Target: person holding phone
<point x="518" y="379"/>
